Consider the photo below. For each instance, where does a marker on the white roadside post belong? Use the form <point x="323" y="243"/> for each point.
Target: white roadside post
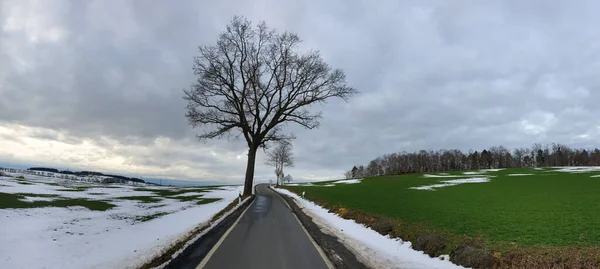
<point x="303" y="194"/>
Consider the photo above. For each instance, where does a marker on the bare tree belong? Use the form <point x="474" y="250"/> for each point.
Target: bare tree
<point x="279" y="157"/>
<point x="288" y="178"/>
<point x="253" y="81"/>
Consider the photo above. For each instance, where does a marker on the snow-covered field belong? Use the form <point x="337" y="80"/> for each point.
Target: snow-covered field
<point x="47" y="222"/>
<point x="375" y="250"/>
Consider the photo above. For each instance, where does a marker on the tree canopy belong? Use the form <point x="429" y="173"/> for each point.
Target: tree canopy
<point x="255" y="80"/>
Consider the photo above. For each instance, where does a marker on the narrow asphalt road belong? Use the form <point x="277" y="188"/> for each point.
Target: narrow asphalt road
<point x="268" y="235"/>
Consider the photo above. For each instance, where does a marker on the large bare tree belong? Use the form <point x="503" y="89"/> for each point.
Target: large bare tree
<point x="255" y="80"/>
<point x="280" y="157"/>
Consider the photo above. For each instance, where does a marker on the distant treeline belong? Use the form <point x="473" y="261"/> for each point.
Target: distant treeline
<point x="85" y="173"/>
<point x="495" y="157"/>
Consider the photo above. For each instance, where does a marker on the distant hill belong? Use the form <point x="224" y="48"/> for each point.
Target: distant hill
<point x="85" y="173"/>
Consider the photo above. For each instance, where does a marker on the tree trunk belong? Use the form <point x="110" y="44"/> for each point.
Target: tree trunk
<point x="250" y="171"/>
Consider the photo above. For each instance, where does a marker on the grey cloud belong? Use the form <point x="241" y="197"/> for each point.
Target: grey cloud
<point x="433" y="74"/>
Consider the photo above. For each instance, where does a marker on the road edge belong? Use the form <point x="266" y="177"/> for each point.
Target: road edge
<point x="312" y="240"/>
<point x="216" y="246"/>
<point x="335" y="253"/>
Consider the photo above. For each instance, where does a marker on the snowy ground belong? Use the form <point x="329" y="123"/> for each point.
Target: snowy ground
<point x="329" y="184"/>
<point x="482" y="176"/>
<point x="454" y="182"/>
<point x="576" y="169"/>
<point x="444" y="175"/>
<point x="41" y="229"/>
<point x="375" y="250"/>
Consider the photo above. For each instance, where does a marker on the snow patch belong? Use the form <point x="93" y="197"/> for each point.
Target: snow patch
<point x="454" y="176"/>
<point x="492" y="170"/>
<point x="331" y="184"/>
<point x="372" y="248"/>
<point x="577" y="169"/>
<point x="595" y="176"/>
<point x="348" y="181"/>
<point x="519" y="175"/>
<point x="454" y="182"/>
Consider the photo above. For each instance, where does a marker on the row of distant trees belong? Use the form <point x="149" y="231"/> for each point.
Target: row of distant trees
<point x="84" y="173"/>
<point x="423" y="161"/>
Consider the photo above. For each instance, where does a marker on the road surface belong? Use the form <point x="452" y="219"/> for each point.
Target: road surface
<point x="267" y="235"/>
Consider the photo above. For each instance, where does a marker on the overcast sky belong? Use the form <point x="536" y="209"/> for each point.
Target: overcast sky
<point x="98" y="84"/>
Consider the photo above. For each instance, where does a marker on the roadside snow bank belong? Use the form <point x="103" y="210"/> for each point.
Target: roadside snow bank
<point x="373" y="249"/>
<point x="454" y="182"/>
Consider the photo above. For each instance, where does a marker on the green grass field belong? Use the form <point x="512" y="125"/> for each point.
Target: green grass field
<point x="546" y="208"/>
